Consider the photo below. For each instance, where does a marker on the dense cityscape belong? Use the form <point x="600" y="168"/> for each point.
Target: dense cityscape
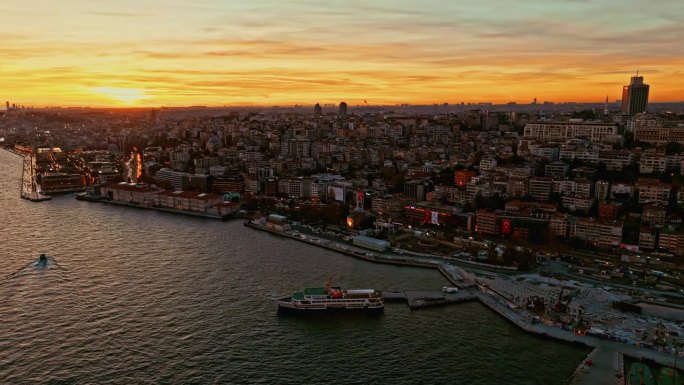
<point x="582" y="196"/>
<point x="307" y="192"/>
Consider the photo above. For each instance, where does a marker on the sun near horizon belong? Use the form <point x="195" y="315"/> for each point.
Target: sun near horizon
<point x="151" y="53"/>
<point x="121" y="96"/>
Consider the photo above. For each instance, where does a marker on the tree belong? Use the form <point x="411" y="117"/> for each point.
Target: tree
<point x="478" y="201"/>
<point x="674" y="148"/>
<point x="445" y="177"/>
<point x="629" y="139"/>
<point x="585" y="115"/>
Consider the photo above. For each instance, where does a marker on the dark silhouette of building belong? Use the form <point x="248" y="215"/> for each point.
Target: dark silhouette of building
<point x="7" y="105"/>
<point x="635" y="96"/>
<point x="343" y="109"/>
<point x="318" y="111"/>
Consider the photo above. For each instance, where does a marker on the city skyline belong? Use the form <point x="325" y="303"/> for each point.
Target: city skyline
<point x="265" y="53"/>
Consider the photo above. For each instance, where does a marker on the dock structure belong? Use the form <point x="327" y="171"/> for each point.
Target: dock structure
<point x="602" y="366"/>
<point x="420" y="299"/>
<point x="394" y="296"/>
<point x="28" y="181"/>
<point x="548" y="331"/>
<point x="417" y="299"/>
<point x="468" y="283"/>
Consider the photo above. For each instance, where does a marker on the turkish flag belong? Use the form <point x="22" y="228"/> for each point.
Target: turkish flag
<point x="506" y="226"/>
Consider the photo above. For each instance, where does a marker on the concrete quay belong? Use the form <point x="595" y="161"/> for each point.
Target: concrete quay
<point x="489" y="299"/>
<point x="602" y="366"/>
<point x="364" y="254"/>
<point x="417" y="299"/>
<point x="28" y="180"/>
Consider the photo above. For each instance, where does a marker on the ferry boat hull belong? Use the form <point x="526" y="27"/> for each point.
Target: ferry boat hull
<point x="285" y="305"/>
<point x="329" y="310"/>
<point x="326" y="300"/>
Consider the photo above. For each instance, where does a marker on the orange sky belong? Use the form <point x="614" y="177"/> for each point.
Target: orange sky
<point x="210" y="52"/>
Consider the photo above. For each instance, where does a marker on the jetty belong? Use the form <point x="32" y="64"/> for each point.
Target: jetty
<point x="28" y="180"/>
<point x="417" y="299"/>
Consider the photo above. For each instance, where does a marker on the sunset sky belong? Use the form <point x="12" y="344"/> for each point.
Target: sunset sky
<point x="203" y="52"/>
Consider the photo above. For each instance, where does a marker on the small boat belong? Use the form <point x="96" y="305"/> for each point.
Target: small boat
<point x="42" y="260"/>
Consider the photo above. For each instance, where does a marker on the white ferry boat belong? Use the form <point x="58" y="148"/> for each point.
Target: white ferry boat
<point x="321" y="299"/>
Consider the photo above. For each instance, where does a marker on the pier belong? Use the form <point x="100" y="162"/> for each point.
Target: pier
<point x="28" y="180"/>
<point x="602" y="366"/>
<point x="417" y="299"/>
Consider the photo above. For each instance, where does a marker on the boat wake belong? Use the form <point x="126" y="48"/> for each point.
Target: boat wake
<point x="41" y="264"/>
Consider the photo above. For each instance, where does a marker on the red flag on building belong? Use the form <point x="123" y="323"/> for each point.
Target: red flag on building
<point x="506" y="227"/>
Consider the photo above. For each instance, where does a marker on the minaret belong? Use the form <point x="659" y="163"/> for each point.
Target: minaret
<point x="605" y="108"/>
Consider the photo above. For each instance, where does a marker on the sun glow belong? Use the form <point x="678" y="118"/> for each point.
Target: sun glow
<point x="269" y="52"/>
<point x="127" y="96"/>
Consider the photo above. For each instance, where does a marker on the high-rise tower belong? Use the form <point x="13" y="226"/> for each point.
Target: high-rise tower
<point x="343" y="109"/>
<point x="635" y="96"/>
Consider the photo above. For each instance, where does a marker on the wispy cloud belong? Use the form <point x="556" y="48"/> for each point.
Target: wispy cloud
<point x="308" y="50"/>
<point x="118" y="14"/>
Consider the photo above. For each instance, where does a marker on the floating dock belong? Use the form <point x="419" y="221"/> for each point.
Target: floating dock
<point x="417" y="299"/>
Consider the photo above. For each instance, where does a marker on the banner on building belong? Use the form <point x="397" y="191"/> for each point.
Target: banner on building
<point x="359" y="200"/>
<point x="336" y="193"/>
<point x="506" y="227"/>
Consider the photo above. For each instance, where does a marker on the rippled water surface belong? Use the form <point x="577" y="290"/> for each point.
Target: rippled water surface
<point x="135" y="297"/>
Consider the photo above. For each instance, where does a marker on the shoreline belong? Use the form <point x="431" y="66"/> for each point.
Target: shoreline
<point x="161" y="209"/>
<point x="488" y="300"/>
<point x="373" y="259"/>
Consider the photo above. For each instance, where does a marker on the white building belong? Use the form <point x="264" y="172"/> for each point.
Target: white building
<point x="594" y="131"/>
